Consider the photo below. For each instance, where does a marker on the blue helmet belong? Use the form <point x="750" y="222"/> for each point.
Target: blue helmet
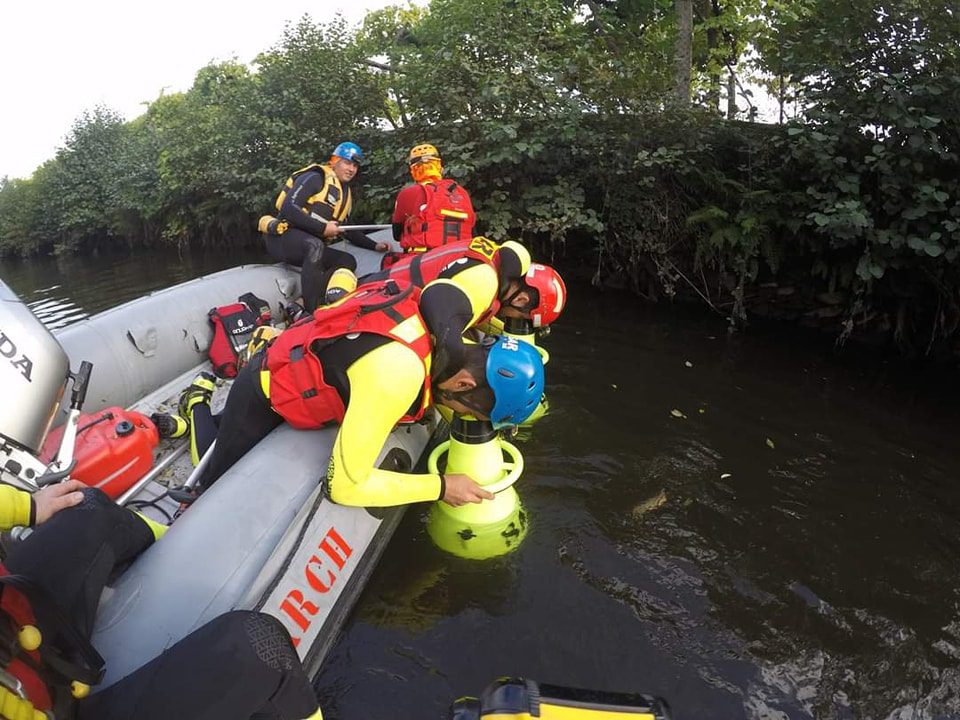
<point x="349" y="151"/>
<point x="515" y="374"/>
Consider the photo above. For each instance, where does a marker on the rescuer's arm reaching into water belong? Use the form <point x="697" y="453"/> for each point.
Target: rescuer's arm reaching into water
<point x="377" y="400"/>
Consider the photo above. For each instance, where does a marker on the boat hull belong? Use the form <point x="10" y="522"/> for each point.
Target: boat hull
<point x="264" y="536"/>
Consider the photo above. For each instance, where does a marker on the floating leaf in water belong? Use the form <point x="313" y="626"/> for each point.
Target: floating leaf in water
<point x="724" y="476"/>
<point x="613" y="386"/>
<point x="770" y="444"/>
<point x="649" y="504"/>
<point x="688" y="363"/>
<point x="677" y="414"/>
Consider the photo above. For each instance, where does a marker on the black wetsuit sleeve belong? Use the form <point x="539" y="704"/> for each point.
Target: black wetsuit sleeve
<point x="356" y="237"/>
<point x="293" y="211"/>
<point x="397" y="231"/>
<point x="446" y="310"/>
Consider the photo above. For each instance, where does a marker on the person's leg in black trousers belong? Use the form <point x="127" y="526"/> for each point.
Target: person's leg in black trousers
<point x="239" y="665"/>
<point x="246" y="419"/>
<point x="72" y="554"/>
<point x="331" y="261"/>
<point x="300" y="248"/>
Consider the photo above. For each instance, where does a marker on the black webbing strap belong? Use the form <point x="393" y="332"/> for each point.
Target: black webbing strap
<point x="91" y="671"/>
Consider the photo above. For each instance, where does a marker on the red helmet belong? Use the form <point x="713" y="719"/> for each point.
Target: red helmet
<point x="553" y="294"/>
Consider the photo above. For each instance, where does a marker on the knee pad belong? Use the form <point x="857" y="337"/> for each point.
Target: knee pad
<point x="342" y="279"/>
<point x="270" y="641"/>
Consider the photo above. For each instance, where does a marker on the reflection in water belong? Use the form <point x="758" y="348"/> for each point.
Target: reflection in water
<point x="64" y="290"/>
<point x="785" y="546"/>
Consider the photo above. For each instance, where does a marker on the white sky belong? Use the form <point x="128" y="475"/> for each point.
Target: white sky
<point x="60" y="58"/>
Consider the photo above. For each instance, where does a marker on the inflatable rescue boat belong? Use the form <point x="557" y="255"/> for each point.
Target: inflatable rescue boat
<point x="263" y="537"/>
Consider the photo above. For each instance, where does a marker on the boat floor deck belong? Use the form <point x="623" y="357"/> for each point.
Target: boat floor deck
<point x="172" y="464"/>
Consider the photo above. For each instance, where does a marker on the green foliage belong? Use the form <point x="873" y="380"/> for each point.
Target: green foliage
<point x="554" y="114"/>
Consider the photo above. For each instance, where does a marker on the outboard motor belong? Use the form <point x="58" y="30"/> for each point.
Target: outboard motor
<point x="34" y="369"/>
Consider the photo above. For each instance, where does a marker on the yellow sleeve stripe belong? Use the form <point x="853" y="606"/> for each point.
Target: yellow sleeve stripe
<point x="14" y="507"/>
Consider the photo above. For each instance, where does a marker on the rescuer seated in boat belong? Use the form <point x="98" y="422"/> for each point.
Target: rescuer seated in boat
<point x="478" y="283"/>
<point x="311" y="206"/>
<point x="366" y="364"/>
<point x="431" y="212"/>
<point x="238" y="665"/>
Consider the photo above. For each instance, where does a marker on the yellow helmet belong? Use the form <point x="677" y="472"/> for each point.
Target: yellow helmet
<point x="422" y="153"/>
<point x="523" y="255"/>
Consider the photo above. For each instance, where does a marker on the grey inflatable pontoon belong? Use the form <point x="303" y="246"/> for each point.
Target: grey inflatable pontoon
<point x="263" y="537"/>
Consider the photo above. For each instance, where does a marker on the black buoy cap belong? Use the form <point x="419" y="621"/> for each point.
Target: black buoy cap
<point x="123" y="428"/>
<point x="471" y="431"/>
<point x="517" y="326"/>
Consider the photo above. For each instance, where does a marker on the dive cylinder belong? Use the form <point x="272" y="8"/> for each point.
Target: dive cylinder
<point x="492" y="527"/>
<point x="522" y="329"/>
<point x="521" y="699"/>
<point x="33" y="374"/>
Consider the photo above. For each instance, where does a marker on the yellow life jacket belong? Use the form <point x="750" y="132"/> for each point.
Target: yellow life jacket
<point x="334" y="200"/>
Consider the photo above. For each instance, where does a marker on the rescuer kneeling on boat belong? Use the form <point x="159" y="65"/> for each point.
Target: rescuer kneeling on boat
<point x="366" y="364"/>
<point x="239" y="665"/>
<point x="313" y="203"/>
<point x="475" y="283"/>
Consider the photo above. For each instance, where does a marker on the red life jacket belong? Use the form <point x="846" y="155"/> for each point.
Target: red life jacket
<point x="298" y="391"/>
<point x="421" y="269"/>
<point x="446" y="216"/>
<point x="35" y="668"/>
<point x="233" y="326"/>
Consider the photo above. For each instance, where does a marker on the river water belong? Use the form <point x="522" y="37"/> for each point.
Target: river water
<point x="751" y="526"/>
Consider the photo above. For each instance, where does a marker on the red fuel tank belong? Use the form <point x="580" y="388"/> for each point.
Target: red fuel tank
<point x="114" y="448"/>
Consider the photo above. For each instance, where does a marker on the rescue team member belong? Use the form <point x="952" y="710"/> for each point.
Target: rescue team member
<point x="313" y="203"/>
<point x="238" y="665"/>
<point x="468" y="283"/>
<point x="434" y="210"/>
<point x="365" y="363"/>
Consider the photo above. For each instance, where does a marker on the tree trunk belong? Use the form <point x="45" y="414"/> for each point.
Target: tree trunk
<point x="684" y="51"/>
<point x="708" y="11"/>
<point x="731" y="95"/>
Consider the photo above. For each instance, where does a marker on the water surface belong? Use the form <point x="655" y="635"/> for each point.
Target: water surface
<point x="750" y="526"/>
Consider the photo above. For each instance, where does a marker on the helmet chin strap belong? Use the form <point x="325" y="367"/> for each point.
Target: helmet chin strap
<point x="463" y="397"/>
<point x="509" y="297"/>
<point x="531" y="303"/>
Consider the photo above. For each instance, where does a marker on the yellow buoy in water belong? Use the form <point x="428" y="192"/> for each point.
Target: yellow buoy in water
<point x="492" y="527"/>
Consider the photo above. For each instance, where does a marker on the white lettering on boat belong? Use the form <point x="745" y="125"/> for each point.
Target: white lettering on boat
<point x="9" y="350"/>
